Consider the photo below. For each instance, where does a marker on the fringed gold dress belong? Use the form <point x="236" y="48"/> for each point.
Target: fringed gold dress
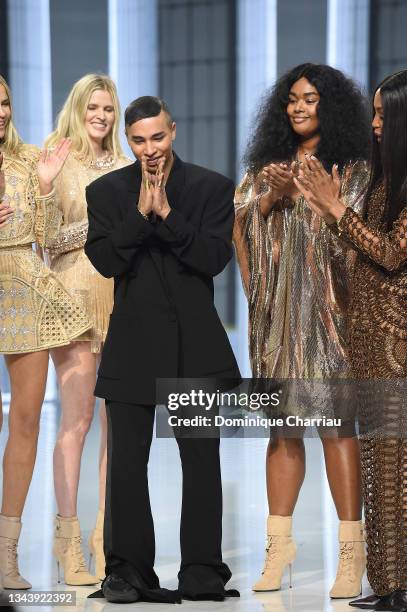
<point x="67" y="256"/>
<point x="378" y="351"/>
<point x="36" y="312"/>
<point x="295" y="273"/>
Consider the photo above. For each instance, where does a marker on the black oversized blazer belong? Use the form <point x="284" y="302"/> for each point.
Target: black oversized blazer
<point x="164" y="323"/>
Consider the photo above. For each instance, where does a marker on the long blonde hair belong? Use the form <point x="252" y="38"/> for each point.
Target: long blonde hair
<point x="11" y="142"/>
<point x="71" y="119"/>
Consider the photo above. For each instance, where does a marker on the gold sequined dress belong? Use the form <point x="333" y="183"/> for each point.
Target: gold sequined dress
<point x="378" y="352"/>
<point x="67" y="256"/>
<point x="36" y="312"/>
<point x="295" y="274"/>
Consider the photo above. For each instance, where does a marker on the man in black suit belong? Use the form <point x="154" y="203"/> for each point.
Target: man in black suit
<point x="162" y="228"/>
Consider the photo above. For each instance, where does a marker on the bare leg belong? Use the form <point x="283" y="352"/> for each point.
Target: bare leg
<point x="102" y="455"/>
<point x="28" y="375"/>
<point x="76" y="372"/>
<point x="342" y="460"/>
<point x="285" y="471"/>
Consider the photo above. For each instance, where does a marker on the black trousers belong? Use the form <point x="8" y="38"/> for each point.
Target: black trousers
<point x="129" y="530"/>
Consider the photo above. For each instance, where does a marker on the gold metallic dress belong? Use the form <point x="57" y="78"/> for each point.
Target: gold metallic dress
<point x="378" y="352"/>
<point x="36" y="312"/>
<point x="67" y="256"/>
<point x="295" y="274"/>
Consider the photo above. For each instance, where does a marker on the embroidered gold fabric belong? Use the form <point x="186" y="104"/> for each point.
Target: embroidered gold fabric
<point x="378" y="350"/>
<point x="36" y="312"/>
<point x="295" y="271"/>
<point x="67" y="257"/>
<point x="70" y="238"/>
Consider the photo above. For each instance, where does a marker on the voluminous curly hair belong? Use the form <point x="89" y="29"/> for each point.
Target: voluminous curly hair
<point x="342" y="112"/>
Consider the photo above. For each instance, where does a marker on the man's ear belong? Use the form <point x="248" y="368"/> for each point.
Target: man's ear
<point x="173" y="130"/>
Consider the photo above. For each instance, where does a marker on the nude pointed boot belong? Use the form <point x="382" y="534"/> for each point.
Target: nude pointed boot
<point x="352" y="561"/>
<point x="96" y="547"/>
<point x="280" y="553"/>
<point x="10" y="529"/>
<point x="68" y="552"/>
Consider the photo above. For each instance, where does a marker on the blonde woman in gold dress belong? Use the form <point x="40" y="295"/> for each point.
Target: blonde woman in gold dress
<point x="294" y="271"/>
<point x="36" y="313"/>
<point x="90" y="118"/>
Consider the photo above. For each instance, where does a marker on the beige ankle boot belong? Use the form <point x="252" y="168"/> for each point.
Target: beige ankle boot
<point x="10" y="528"/>
<point x="96" y="546"/>
<point x="280" y="552"/>
<point x="68" y="552"/>
<point x="352" y="560"/>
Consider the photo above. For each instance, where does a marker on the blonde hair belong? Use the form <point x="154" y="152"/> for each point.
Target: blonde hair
<point x="11" y="142"/>
<point x="71" y="119"/>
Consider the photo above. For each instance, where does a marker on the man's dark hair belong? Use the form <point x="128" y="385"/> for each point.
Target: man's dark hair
<point x="143" y="108"/>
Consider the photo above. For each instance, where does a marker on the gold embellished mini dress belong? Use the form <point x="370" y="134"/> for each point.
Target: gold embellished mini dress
<point x="67" y="256"/>
<point x="36" y="312"/>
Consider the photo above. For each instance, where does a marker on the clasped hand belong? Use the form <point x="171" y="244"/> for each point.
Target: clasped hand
<point x="153" y="198"/>
<point x="320" y="189"/>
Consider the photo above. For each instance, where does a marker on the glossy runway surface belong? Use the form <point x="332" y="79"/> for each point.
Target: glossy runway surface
<point x="315" y="525"/>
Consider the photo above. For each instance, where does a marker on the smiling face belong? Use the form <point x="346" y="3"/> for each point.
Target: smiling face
<point x="100" y="115"/>
<point x="377" y="123"/>
<point x="303" y="100"/>
<point x="152" y="137"/>
<point x="5" y="111"/>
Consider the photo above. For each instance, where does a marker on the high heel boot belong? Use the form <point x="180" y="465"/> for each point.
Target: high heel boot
<point x="10" y="529"/>
<point x="352" y="561"/>
<point x="96" y="547"/>
<point x="280" y="552"/>
<point x="68" y="552"/>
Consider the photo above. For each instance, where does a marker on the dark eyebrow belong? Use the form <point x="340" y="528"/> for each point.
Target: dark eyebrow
<point x="307" y="93"/>
<point x="153" y="136"/>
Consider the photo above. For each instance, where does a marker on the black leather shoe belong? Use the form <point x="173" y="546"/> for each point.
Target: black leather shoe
<point x="117" y="590"/>
<point x="394" y="602"/>
<point x="365" y="603"/>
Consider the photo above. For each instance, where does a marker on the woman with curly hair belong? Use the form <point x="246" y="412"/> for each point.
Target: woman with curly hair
<point x="295" y="274"/>
<point x="378" y="335"/>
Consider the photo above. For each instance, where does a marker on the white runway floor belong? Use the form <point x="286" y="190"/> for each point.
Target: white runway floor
<point x="315" y="525"/>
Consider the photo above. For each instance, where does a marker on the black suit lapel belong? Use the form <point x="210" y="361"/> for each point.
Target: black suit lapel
<point x="134" y="180"/>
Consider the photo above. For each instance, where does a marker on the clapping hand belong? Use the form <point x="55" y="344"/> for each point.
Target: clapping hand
<point x="161" y="206"/>
<point x="50" y="164"/>
<point x="145" y="201"/>
<point x="5" y="209"/>
<point x="152" y="193"/>
<point x="279" y="178"/>
<point x="320" y="189"/>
